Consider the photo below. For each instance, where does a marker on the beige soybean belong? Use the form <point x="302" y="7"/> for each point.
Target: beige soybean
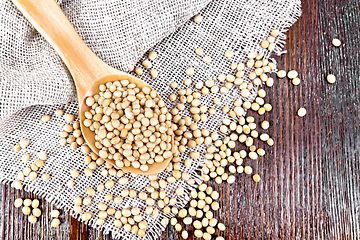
<point x="70" y="184"/>
<point x="174" y="85"/>
<point x="271" y="46"/>
<point x="74" y="173"/>
<point x="164" y="221"/>
<point x="32" y="176"/>
<point x="90" y="191"/>
<point x="331" y="78"/>
<point x="138" y="71"/>
<point x="18" y="202"/>
<point x="275" y="32"/>
<point x="59" y="112"/>
<point x="336" y="42"/>
<point x="25" y="158"/>
<point x="35" y="203"/>
<point x="295" y="81"/>
<point x="109" y="184"/>
<point x="88" y="172"/>
<point x="265" y="44"/>
<point x="152" y="55"/>
<point x="187" y="81"/>
<point x="199" y="51"/>
<point x="229" y="54"/>
<point x="184" y="234"/>
<point x="118" y="200"/>
<point x="24" y="143"/>
<point x="86" y="216"/>
<point x="55" y="213"/>
<point x="206" y="59"/>
<point x="301" y="112"/>
<point x="281" y="73"/>
<point x="45" y="118"/>
<point x="102" y="206"/>
<point x="198" y="18"/>
<point x="265" y="124"/>
<point x="198" y="233"/>
<point x="77" y="201"/>
<point x="55" y="223"/>
<point x="248" y="169"/>
<point x="77" y="209"/>
<point x="16" y="147"/>
<point x="270" y="142"/>
<point x="69" y="118"/>
<point x="86" y="201"/>
<point x="36" y="212"/>
<point x="32" y="219"/>
<point x="26" y="210"/>
<point x="146" y="63"/>
<point x="190" y="71"/>
<point x="292" y="74"/>
<point x="256" y="177"/>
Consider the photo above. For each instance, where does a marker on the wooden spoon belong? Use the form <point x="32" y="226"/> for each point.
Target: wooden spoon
<point x="87" y="70"/>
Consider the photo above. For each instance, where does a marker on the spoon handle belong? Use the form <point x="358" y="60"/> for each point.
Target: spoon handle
<point x="50" y="21"/>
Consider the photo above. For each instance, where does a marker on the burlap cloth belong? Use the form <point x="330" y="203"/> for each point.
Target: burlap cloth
<point x="34" y="81"/>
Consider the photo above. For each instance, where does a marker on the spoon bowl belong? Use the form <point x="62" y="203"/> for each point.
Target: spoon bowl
<point x="89" y="135"/>
<point x="87" y="70"/>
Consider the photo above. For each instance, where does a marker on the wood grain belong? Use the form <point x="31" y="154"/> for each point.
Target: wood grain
<point x="310" y="186"/>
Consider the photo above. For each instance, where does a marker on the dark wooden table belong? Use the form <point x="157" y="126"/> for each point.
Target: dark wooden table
<point x="310" y="186"/>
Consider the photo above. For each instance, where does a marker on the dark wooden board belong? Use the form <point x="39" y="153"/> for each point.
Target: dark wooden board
<point x="310" y="186"/>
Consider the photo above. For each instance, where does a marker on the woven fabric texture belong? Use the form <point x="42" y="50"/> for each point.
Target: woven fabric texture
<point x="120" y="32"/>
